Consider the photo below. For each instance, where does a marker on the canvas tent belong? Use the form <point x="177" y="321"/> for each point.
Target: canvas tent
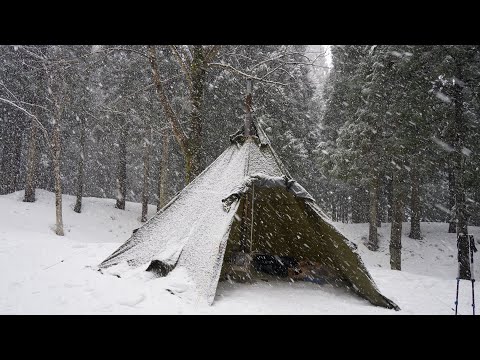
<point x="244" y="203"/>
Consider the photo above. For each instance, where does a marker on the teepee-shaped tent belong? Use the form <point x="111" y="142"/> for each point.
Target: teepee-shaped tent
<point x="244" y="203"/>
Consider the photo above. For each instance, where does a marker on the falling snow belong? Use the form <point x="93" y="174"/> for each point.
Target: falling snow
<point x="405" y="112"/>
<point x="443" y="97"/>
<point x="443" y="144"/>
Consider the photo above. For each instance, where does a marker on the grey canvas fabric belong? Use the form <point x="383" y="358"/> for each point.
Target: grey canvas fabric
<point x="193" y="229"/>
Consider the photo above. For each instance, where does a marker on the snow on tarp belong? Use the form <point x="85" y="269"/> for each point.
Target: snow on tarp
<point x="192" y="230"/>
<point x="185" y="227"/>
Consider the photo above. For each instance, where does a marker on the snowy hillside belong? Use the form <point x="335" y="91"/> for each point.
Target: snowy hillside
<point x="42" y="273"/>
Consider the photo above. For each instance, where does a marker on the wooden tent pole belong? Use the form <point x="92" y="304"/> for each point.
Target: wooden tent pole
<point x="251" y="223"/>
<point x="248" y="107"/>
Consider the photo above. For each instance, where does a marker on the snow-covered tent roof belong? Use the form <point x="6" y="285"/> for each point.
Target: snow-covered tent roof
<point x="193" y="230"/>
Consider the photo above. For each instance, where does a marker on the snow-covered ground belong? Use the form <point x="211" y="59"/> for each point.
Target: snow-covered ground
<point x="41" y="273"/>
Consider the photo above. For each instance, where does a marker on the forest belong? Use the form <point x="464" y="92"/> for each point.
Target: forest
<point x="376" y="133"/>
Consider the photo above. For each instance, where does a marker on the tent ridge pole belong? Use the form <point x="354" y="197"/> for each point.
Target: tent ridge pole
<point x="251" y="224"/>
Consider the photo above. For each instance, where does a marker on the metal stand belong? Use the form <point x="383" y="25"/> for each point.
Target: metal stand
<point x="465" y="265"/>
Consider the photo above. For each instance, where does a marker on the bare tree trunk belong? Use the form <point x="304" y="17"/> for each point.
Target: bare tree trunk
<point x="379" y="203"/>
<point x="163" y="172"/>
<point x="58" y="178"/>
<point x="146" y="170"/>
<point x="81" y="166"/>
<point x="346" y="208"/>
<point x="16" y="162"/>
<point x="356" y="206"/>
<point x="388" y="199"/>
<point x="462" y="220"/>
<point x="32" y="162"/>
<point x="195" y="155"/>
<point x="372" y="233"/>
<point x="365" y="201"/>
<point x="383" y="201"/>
<point x="415" y="205"/>
<point x="397" y="222"/>
<point x="460" y="201"/>
<point x="461" y="214"/>
<point x="192" y="163"/>
<point x="122" y="165"/>
<point x="191" y="145"/>
<point x="10" y="161"/>
<point x="334" y="206"/>
<point x="452" y="225"/>
<point x="475" y="215"/>
<point x="340" y="207"/>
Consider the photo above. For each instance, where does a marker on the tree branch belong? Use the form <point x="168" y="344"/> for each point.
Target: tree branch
<point x="184" y="66"/>
<point x="128" y="96"/>
<point x="37" y="122"/>
<point x="211" y="53"/>
<point x="129" y="50"/>
<point x="268" y="60"/>
<point x="31" y="53"/>
<point x="187" y="55"/>
<point x="272" y="71"/>
<point x="234" y="70"/>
